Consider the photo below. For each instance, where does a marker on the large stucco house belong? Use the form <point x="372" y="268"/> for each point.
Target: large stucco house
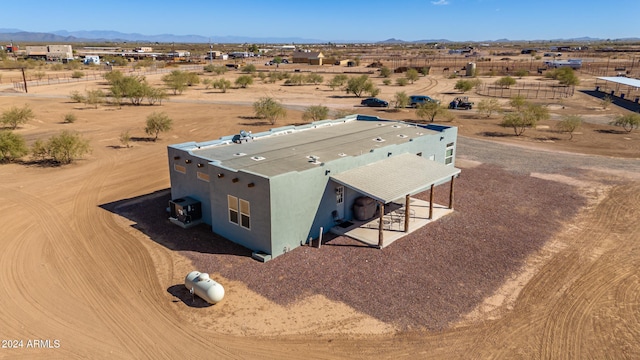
<point x="272" y="191"/>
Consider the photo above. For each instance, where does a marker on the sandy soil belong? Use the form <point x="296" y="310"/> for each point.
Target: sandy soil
<point x="75" y="272"/>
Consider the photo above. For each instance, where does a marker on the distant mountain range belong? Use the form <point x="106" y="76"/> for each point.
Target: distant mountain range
<point x="59" y="36"/>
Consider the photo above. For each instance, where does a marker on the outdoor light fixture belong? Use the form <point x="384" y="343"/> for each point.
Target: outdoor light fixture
<point x="220" y="176"/>
<point x="235" y="180"/>
<point x="251" y="185"/>
<point x="187" y="161"/>
<point x="327" y="172"/>
<point x="200" y="165"/>
<point x="176" y="158"/>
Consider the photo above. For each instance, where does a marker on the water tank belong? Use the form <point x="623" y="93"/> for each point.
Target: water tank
<point x="201" y="285"/>
<point x="471" y="69"/>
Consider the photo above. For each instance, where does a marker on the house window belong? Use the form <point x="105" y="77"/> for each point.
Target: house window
<point x="448" y="156"/>
<point x="233" y="208"/>
<point x="245" y="214"/>
<point x="339" y="194"/>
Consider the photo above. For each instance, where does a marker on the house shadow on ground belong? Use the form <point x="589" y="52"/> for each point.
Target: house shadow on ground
<point x="149" y="216"/>
<point x="630" y="105"/>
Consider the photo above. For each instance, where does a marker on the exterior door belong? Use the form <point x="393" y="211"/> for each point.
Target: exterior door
<point x="340" y="201"/>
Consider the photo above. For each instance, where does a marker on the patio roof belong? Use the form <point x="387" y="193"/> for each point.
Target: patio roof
<point x="395" y="177"/>
<point x="622" y="80"/>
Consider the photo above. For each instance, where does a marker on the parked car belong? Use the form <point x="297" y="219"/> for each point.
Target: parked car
<point x="461" y="102"/>
<point x="416" y="100"/>
<point x="374" y="102"/>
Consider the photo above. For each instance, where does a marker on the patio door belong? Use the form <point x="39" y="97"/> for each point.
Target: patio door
<point x="340" y="201"/>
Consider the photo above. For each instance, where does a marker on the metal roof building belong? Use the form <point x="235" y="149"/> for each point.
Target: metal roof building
<point x="271" y="191"/>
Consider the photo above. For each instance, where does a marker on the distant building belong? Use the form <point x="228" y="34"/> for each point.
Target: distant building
<point x="92" y="60"/>
<point x="62" y="53"/>
<point x="50" y="52"/>
<point x="143" y="49"/>
<point x="307" y="57"/>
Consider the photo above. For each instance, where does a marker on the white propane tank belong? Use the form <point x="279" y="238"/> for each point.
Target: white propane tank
<point x="204" y="287"/>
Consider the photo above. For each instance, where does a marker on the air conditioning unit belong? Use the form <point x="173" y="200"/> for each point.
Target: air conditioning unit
<point x="185" y="212"/>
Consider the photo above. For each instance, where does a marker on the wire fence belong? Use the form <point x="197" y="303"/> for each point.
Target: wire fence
<point x="66" y="78"/>
<point x="527" y="91"/>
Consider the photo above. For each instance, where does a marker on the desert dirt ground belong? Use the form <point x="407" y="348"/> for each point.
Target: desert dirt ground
<point x="74" y="272"/>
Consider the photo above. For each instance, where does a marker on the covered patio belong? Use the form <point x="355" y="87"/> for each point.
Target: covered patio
<point x="391" y="182"/>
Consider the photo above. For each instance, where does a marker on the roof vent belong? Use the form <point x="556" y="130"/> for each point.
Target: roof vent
<point x="257" y="158"/>
<point x="396" y="126"/>
<point x="378" y="139"/>
<point x="402" y="136"/>
<point x="314" y="159"/>
<point x="342" y="154"/>
<point x="239" y="154"/>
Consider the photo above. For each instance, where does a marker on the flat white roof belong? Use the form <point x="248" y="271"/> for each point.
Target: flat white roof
<point x="622" y="80"/>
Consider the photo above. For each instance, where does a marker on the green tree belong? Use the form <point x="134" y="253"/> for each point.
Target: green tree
<point x="315" y="113"/>
<point x="338" y="81"/>
<point x="17" y="116"/>
<point x="176" y="80"/>
<point x="222" y="84"/>
<point x="66" y="147"/>
<point x="488" y="107"/>
<point x="518" y="102"/>
<point x="412" y="75"/>
<point x="564" y="75"/>
<point x="244" y="81"/>
<point x="401" y="100"/>
<point x="358" y="85"/>
<point x="506" y="81"/>
<point x="464" y="85"/>
<point x="628" y="122"/>
<point x="385" y="72"/>
<point x="425" y="70"/>
<point x="268" y="108"/>
<point x="12" y="146"/>
<point x="527" y="117"/>
<point x="429" y="110"/>
<point x="135" y="88"/>
<point x="192" y="78"/>
<point x="157" y="123"/>
<point x="155" y="95"/>
<point x="569" y="124"/>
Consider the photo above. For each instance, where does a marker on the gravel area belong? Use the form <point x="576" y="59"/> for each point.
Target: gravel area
<point x="428" y="279"/>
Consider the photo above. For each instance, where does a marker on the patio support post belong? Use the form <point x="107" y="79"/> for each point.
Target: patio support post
<point x="431" y="202"/>
<point x="381" y="226"/>
<point x="451" y="193"/>
<point x="407" y="211"/>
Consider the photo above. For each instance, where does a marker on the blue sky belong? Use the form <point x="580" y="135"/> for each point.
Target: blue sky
<point x="356" y="20"/>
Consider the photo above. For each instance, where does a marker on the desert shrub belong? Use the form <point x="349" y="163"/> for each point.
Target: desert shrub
<point x="125" y="138"/>
<point x="402" y="81"/>
<point x="338" y="81"/>
<point x="16" y="116"/>
<point x="385" y="72"/>
<point x="401" y="100"/>
<point x="77" y="74"/>
<point x="628" y="122"/>
<point x="269" y="108"/>
<point x="386" y="81"/>
<point x="506" y="81"/>
<point x="70" y="118"/>
<point x="12" y="146"/>
<point x="315" y="113"/>
<point x="76" y="96"/>
<point x="157" y="123"/>
<point x="488" y="107"/>
<point x="244" y="81"/>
